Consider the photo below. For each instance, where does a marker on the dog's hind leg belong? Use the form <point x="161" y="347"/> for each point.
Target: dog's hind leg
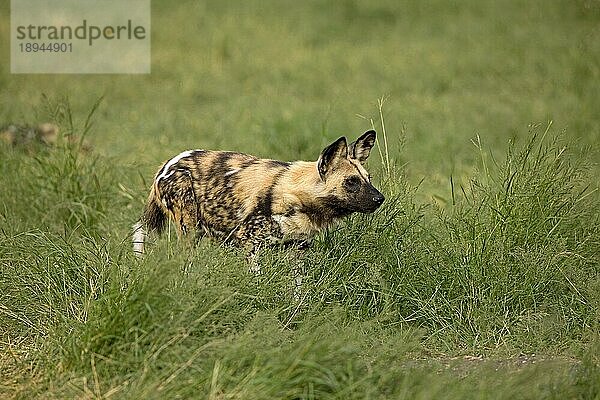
<point x="179" y="197"/>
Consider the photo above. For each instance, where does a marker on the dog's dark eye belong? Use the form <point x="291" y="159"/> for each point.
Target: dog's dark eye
<point x="352" y="184"/>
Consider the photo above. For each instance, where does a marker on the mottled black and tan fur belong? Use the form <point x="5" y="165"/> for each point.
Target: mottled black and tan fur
<point x="252" y="202"/>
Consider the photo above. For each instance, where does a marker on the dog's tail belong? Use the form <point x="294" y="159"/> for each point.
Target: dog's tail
<point x="154" y="219"/>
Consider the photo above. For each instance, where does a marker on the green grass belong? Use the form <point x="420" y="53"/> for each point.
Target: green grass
<point x="478" y="278"/>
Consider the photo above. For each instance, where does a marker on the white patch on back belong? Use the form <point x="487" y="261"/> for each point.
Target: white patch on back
<point x="232" y="171"/>
<point x="165" y="172"/>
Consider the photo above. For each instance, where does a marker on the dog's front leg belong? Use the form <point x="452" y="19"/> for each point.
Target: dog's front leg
<point x="252" y="256"/>
<point x="251" y="237"/>
<point x="297" y="252"/>
<point x="254" y="235"/>
<point x="299" y="271"/>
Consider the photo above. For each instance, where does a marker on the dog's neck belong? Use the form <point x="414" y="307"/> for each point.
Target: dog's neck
<point x="310" y="198"/>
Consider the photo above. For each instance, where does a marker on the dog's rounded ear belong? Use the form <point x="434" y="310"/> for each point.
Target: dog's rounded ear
<point x="361" y="148"/>
<point x="331" y="155"/>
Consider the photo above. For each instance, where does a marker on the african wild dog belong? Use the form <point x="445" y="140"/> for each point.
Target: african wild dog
<point x="251" y="202"/>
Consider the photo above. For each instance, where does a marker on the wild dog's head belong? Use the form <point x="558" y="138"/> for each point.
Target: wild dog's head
<point x="347" y="182"/>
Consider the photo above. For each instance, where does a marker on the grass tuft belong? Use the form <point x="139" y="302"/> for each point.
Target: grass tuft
<point x="508" y="269"/>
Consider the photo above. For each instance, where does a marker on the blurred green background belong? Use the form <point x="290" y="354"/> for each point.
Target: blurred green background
<point x="283" y="78"/>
